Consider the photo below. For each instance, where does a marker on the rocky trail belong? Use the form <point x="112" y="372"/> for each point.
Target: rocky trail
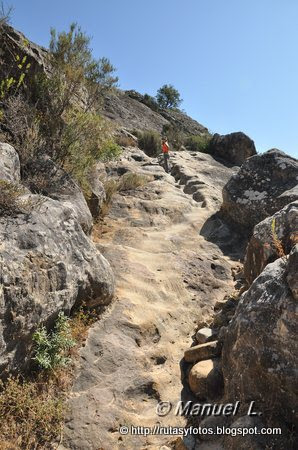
<point x="168" y="278"/>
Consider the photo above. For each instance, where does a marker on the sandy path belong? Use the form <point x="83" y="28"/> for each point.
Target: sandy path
<point x="168" y="278"/>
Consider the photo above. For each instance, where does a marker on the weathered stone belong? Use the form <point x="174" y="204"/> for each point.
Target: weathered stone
<point x="9" y="163"/>
<point x="203" y="334"/>
<point x="43" y="176"/>
<point x="264" y="184"/>
<point x="260" y="345"/>
<point x="292" y="276"/>
<point x="202" y="351"/>
<point x="263" y="249"/>
<point x="211" y="423"/>
<point x="47" y="264"/>
<point x="234" y="147"/>
<point x="98" y="194"/>
<point x="249" y="441"/>
<point x="198" y="377"/>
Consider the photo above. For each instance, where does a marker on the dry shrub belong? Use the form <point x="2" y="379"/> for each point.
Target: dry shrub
<point x="150" y="142"/>
<point x="125" y="141"/>
<point x="277" y="244"/>
<point x="131" y="181"/>
<point x="10" y="198"/>
<point x="31" y="413"/>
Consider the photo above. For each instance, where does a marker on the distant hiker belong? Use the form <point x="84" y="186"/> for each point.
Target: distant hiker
<point x="165" y="150"/>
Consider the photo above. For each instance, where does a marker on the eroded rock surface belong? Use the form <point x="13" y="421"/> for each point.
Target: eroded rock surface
<point x="264" y="184"/>
<point x="234" y="147"/>
<point x="47" y="264"/>
<point x="168" y="278"/>
<point x="260" y="345"/>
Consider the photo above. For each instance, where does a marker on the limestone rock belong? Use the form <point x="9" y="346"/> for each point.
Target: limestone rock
<point x="48" y="264"/>
<point x="202" y="351"/>
<point x="43" y="176"/>
<point x="292" y="276"/>
<point x="98" y="194"/>
<point x="260" y="345"/>
<point x="235" y="148"/>
<point x="264" y="184"/>
<point x="203" y="334"/>
<point x="198" y="377"/>
<point x="9" y="163"/>
<point x="249" y="441"/>
<point x="206" y="379"/>
<point x="262" y="249"/>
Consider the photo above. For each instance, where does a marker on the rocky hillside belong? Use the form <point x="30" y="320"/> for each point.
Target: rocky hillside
<point x="193" y="274"/>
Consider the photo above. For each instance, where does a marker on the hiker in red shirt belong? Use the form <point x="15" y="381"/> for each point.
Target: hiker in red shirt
<point x="165" y="151"/>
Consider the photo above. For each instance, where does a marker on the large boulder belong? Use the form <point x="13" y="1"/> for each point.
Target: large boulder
<point x="43" y="176"/>
<point x="260" y="350"/>
<point x="271" y="238"/>
<point x="47" y="264"/>
<point x="234" y="147"/>
<point x="263" y="185"/>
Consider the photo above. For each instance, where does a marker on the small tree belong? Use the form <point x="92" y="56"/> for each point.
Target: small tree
<point x="168" y="97"/>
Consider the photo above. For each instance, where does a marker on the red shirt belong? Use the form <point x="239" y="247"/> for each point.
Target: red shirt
<point x="165" y="147"/>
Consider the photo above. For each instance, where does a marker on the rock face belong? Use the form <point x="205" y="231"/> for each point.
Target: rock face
<point x="234" y="147"/>
<point x="264" y="247"/>
<point x="292" y="277"/>
<point x="44" y="177"/>
<point x="264" y="184"/>
<point x="9" y="164"/>
<point x="47" y="264"/>
<point x="12" y="44"/>
<point x="260" y="351"/>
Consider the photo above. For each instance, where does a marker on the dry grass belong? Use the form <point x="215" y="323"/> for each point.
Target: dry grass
<point x="125" y="141"/>
<point x="131" y="181"/>
<point x="32" y="410"/>
<point x="10" y="198"/>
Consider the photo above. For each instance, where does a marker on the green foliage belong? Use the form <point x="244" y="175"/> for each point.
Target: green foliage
<point x="75" y="69"/>
<point x="150" y="142"/>
<point x="51" y="349"/>
<point x="151" y="102"/>
<point x="168" y="97"/>
<point x="198" y="143"/>
<point x="174" y="136"/>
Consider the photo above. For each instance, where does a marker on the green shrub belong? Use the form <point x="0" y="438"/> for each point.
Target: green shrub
<point x="151" y="102"/>
<point x="150" y="142"/>
<point x="51" y="349"/>
<point x="174" y="135"/>
<point x="198" y="143"/>
<point x="168" y="97"/>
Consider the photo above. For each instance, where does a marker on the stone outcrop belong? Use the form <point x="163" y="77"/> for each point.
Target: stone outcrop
<point x="264" y="184"/>
<point x="43" y="176"/>
<point x="235" y="148"/>
<point x="47" y="264"/>
<point x="9" y="164"/>
<point x="271" y="238"/>
<point x="260" y="346"/>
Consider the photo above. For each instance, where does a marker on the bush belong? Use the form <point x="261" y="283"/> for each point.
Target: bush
<point x="199" y="143"/>
<point x="131" y="181"/>
<point x="125" y="141"/>
<point x="151" y="102"/>
<point x="150" y="142"/>
<point x="168" y="97"/>
<point x="174" y="135"/>
<point x="31" y="414"/>
<point x="51" y="349"/>
<point x="10" y="198"/>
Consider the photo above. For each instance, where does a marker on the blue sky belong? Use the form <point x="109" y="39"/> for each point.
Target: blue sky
<point x="235" y="62"/>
